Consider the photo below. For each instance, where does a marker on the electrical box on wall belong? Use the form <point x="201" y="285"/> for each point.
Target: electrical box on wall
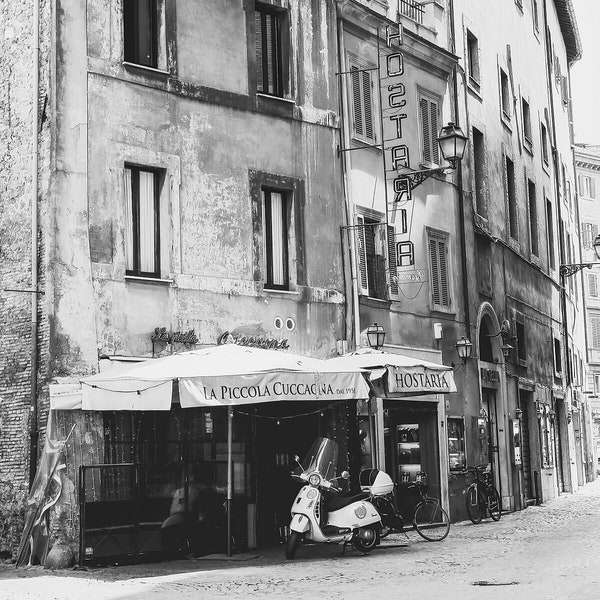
<point x="437" y="331"/>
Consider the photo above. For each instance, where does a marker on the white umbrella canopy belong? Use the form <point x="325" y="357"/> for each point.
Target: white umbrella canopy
<point x="406" y="374"/>
<point x="222" y="375"/>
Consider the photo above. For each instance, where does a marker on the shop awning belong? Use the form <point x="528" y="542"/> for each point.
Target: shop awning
<point x="220" y="376"/>
<point x="406" y="375"/>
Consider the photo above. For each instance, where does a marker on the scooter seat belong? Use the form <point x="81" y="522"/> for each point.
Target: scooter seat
<point x="336" y="502"/>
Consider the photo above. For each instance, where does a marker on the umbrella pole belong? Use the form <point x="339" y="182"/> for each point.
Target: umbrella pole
<point x="229" y="475"/>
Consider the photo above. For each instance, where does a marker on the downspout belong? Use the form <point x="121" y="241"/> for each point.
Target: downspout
<point x="33" y="424"/>
<point x="459" y="174"/>
<point x="561" y="233"/>
<point x="353" y="328"/>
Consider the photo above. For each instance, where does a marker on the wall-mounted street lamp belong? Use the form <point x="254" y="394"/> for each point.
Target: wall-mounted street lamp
<point x="464" y="348"/>
<point x="375" y="336"/>
<point x="452" y="142"/>
<point x="506" y="338"/>
<point x="568" y="270"/>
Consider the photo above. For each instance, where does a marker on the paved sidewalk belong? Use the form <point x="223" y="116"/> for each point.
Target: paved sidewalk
<point x="549" y="551"/>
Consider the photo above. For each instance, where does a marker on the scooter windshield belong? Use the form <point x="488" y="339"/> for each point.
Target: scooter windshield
<point x="322" y="458"/>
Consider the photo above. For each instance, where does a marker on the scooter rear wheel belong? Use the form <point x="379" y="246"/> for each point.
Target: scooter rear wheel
<point x="293" y="543"/>
<point x="367" y="543"/>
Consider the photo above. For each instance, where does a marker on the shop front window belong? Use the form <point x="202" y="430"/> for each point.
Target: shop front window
<point x="456" y="443"/>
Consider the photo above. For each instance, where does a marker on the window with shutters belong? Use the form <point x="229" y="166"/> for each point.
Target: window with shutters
<point x="141" y="32"/>
<point x="372" y="239"/>
<point x="505" y="96"/>
<point x="533" y="218"/>
<point x="592" y="285"/>
<point x="270" y="39"/>
<point x="594" y="321"/>
<point x="472" y="48"/>
<point x="527" y="123"/>
<point x="511" y="198"/>
<point x="589" y="231"/>
<point x="479" y="171"/>
<point x="550" y="234"/>
<point x="429" y="117"/>
<point x="544" y="144"/>
<point x="587" y="186"/>
<point x="142" y="226"/>
<point x="557" y="357"/>
<point x="364" y="126"/>
<point x="521" y="341"/>
<point x="439" y="270"/>
<point x="275" y="238"/>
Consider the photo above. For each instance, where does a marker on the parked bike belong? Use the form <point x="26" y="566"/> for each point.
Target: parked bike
<point x="321" y="514"/>
<point x="482" y="497"/>
<point x="429" y="519"/>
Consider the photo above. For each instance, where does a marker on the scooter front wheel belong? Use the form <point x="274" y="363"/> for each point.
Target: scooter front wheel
<point x="366" y="539"/>
<point x="293" y="543"/>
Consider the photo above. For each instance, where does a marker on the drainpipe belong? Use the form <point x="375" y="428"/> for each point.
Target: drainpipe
<point x="354" y="327"/>
<point x="33" y="423"/>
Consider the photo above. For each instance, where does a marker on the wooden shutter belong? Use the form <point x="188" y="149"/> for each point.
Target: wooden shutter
<point x="129" y="237"/>
<point x="392" y="259"/>
<point x="357" y="102"/>
<point x="595" y="327"/>
<point x="438" y="257"/>
<point x="368" y="105"/>
<point x="593" y="285"/>
<point x="429" y="128"/>
<point x="592" y="187"/>
<point x="362" y="254"/>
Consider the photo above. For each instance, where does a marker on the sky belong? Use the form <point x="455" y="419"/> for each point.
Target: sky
<point x="585" y="74"/>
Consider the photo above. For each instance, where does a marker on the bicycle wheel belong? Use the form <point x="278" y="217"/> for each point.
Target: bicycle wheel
<point x="431" y="521"/>
<point x="494" y="504"/>
<point x="473" y="504"/>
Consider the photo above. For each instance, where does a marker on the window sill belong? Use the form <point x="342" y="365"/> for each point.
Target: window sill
<point x="475" y="89"/>
<point x="281" y="293"/>
<point x="373" y="302"/>
<point x="277" y="105"/>
<point x="528" y="145"/>
<point x="276" y="98"/>
<point x="155" y="280"/>
<point x="506" y="121"/>
<point x="145" y="68"/>
<point x="371" y="145"/>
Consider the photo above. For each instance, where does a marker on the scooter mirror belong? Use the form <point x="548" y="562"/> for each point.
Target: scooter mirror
<point x="345" y="475"/>
<point x="296" y="458"/>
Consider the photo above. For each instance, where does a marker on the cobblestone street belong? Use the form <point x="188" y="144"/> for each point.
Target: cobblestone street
<point x="545" y="552"/>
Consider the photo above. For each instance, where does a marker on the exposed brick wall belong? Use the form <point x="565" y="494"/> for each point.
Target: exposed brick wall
<point x="16" y="151"/>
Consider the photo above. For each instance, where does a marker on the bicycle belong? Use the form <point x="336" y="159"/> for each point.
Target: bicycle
<point x="429" y="519"/>
<point x="482" y="497"/>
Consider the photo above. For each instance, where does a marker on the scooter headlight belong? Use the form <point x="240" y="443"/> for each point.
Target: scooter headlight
<point x="312" y="494"/>
<point x="360" y="511"/>
<point x="314" y="479"/>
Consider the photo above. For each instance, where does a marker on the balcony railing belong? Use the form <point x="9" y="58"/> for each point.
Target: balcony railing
<point x="411" y="9"/>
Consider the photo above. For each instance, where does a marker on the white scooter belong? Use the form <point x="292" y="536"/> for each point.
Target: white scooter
<point x="320" y="514"/>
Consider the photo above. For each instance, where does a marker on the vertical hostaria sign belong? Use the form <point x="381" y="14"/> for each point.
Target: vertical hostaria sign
<point x="396" y="154"/>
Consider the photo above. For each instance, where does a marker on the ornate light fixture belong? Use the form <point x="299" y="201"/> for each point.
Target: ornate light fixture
<point x="506" y="337"/>
<point x="464" y="348"/>
<point x="375" y="336"/>
<point x="568" y="270"/>
<point x="452" y="142"/>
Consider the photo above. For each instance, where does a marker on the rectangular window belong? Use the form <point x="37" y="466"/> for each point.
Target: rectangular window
<point x="438" y="267"/>
<point x="473" y="58"/>
<point x="505" y="95"/>
<point x="587" y="186"/>
<point x="269" y="50"/>
<point x="550" y="236"/>
<point x="589" y="231"/>
<point x="456" y="443"/>
<point x="592" y="285"/>
<point x="521" y="342"/>
<point x="371" y="258"/>
<point x="595" y="331"/>
<point x="536" y="16"/>
<point x="429" y="111"/>
<point x="140" y="32"/>
<point x="533" y="218"/>
<point x="363" y="112"/>
<point x="513" y="221"/>
<point x="142" y="233"/>
<point x="276" y="224"/>
<point x="526" y="123"/>
<point x="557" y="357"/>
<point x="544" y="143"/>
<point x="479" y="172"/>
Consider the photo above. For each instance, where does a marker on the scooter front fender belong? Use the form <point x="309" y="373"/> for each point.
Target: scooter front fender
<point x="300" y="523"/>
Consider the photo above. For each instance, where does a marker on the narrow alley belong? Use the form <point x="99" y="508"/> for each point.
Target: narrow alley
<point x="544" y="552"/>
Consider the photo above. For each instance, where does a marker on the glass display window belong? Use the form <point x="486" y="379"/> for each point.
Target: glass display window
<point x="456" y="443"/>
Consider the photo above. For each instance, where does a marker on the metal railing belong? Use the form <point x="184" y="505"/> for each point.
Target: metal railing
<point x="411" y="9"/>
